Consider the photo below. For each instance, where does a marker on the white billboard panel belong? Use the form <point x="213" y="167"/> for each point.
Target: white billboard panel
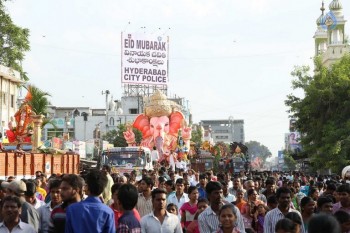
<point x="145" y="59"/>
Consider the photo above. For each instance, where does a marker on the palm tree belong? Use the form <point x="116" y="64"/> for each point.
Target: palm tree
<point x="37" y="100"/>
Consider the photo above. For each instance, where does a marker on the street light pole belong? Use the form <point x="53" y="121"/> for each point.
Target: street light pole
<point x="66" y="130"/>
<point x="106" y="92"/>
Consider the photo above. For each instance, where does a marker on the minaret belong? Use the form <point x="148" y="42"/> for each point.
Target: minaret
<point x="335" y="22"/>
<point x="321" y="34"/>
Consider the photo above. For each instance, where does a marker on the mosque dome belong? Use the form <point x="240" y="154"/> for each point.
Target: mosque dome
<point x="319" y="20"/>
<point x="335" y="5"/>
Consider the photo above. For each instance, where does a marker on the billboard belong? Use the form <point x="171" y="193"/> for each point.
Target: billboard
<point x="144" y="59"/>
<point x="293" y="142"/>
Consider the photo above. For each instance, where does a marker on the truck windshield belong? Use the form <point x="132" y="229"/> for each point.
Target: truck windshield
<point x="123" y="158"/>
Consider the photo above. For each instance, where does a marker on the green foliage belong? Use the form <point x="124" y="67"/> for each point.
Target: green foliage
<point x="221" y="149"/>
<point x="13" y="42"/>
<point x="323" y="114"/>
<point x="197" y="136"/>
<point x="289" y="161"/>
<point x="39" y="101"/>
<point x="257" y="150"/>
<point x="116" y="137"/>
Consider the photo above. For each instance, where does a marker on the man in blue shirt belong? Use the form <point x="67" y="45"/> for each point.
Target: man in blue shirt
<point x="203" y="180"/>
<point x="91" y="215"/>
<point x="127" y="200"/>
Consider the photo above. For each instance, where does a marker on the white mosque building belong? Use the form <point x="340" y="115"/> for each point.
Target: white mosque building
<point x="331" y="42"/>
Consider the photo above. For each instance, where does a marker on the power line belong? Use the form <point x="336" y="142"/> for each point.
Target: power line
<point x="171" y="58"/>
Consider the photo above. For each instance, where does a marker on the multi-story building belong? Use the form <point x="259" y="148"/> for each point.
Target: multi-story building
<point x="226" y="131"/>
<point x="9" y="93"/>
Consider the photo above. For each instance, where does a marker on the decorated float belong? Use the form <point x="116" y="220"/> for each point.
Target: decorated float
<point x="162" y="126"/>
<point x="24" y="153"/>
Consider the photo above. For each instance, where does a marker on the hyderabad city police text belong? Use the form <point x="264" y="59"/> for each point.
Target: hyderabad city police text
<point x="143" y="74"/>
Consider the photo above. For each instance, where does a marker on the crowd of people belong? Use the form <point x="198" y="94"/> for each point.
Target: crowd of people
<point x="176" y="201"/>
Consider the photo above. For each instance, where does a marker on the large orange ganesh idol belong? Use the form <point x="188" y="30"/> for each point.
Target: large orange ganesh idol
<point x="160" y="125"/>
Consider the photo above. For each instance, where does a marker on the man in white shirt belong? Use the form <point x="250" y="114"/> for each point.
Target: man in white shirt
<point x="179" y="197"/>
<point x="180" y="164"/>
<point x="160" y="220"/>
<point x="227" y="196"/>
<point x="155" y="156"/>
<point x="11" y="209"/>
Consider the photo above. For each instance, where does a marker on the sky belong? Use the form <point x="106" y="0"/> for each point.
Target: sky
<point x="227" y="57"/>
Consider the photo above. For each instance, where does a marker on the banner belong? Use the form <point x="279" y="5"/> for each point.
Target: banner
<point x="144" y="59"/>
<point x="80" y="148"/>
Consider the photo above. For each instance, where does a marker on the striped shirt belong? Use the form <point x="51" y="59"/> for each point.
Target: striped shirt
<point x="208" y="221"/>
<point x="273" y="216"/>
<point x="144" y="206"/>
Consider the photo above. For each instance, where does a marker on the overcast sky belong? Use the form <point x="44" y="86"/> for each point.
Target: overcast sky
<point x="227" y="57"/>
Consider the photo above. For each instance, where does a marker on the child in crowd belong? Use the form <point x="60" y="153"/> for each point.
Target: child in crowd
<point x="189" y="209"/>
<point x="202" y="204"/>
<point x="259" y="218"/>
<point x="228" y="219"/>
<point x="172" y="208"/>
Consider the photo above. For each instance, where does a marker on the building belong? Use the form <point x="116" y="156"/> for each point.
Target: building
<point x="226" y="131"/>
<point x="9" y="94"/>
<point x="331" y="42"/>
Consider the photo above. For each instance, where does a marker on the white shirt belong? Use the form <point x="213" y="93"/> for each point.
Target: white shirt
<point x="151" y="224"/>
<point x="230" y="198"/>
<point x="208" y="221"/>
<point x="155" y="155"/>
<point x="181" y="165"/>
<point x="172" y="162"/>
<point x="38" y="203"/>
<point x="20" y="228"/>
<point x="173" y="199"/>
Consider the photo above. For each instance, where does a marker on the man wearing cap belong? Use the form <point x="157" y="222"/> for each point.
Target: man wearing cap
<point x="28" y="213"/>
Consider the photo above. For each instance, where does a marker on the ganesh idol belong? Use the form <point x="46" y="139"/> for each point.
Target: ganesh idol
<point x="160" y="125"/>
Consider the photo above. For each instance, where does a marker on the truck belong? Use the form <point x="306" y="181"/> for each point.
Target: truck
<point x="126" y="159"/>
<point x="26" y="163"/>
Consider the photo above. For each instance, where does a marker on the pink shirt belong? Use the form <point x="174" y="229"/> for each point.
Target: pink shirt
<point x="337" y="206"/>
<point x="190" y="212"/>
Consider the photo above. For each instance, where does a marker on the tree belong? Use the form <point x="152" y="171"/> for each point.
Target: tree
<point x="197" y="136"/>
<point x="38" y="100"/>
<point x="323" y="114"/>
<point x="13" y="42"/>
<point x="255" y="149"/>
<point x="117" y="137"/>
<point x="289" y="161"/>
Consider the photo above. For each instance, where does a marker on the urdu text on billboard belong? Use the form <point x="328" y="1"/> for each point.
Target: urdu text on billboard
<point x="144" y="59"/>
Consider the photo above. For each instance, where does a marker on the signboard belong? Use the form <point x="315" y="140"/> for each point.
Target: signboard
<point x="89" y="149"/>
<point x="80" y="148"/>
<point x="57" y="143"/>
<point x="144" y="59"/>
<point x="294" y="142"/>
